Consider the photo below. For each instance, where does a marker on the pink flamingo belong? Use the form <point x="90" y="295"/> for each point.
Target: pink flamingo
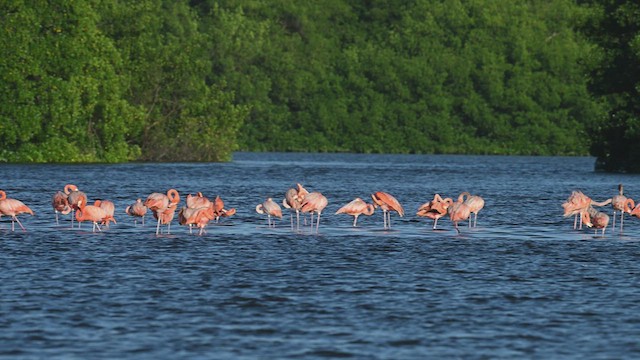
<point x="435" y="209"/>
<point x="75" y="197"/>
<point x="199" y="217"/>
<point x="197" y="201"/>
<point x="314" y="202"/>
<point x="356" y="208"/>
<point x="475" y="203"/>
<point x="387" y="203"/>
<point x="137" y="210"/>
<point x="60" y="202"/>
<point x="109" y="207"/>
<point x="163" y="207"/>
<point x="219" y="210"/>
<point x="459" y="211"/>
<point x="621" y="203"/>
<point x="94" y="214"/>
<point x="13" y="207"/>
<point x="271" y="208"/>
<point x="596" y="219"/>
<point x="577" y="203"/>
<point x="292" y="201"/>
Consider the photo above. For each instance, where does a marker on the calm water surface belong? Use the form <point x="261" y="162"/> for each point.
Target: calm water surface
<point x="523" y="284"/>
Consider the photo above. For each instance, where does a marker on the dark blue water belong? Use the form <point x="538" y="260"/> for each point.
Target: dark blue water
<point x="523" y="284"/>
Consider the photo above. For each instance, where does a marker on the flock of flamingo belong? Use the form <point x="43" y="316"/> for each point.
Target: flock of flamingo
<point x="582" y="208"/>
<point x="199" y="210"/>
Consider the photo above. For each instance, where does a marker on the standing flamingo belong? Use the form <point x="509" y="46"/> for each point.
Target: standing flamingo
<point x="93" y="213"/>
<point x="197" y="201"/>
<point x="435" y="209"/>
<point x="75" y="197"/>
<point x="475" y="203"/>
<point x="292" y="201"/>
<point x="314" y="202"/>
<point x="199" y="217"/>
<point x="596" y="219"/>
<point x="108" y="207"/>
<point x="163" y="207"/>
<point x="60" y="202"/>
<point x="271" y="208"/>
<point x="13" y="207"/>
<point x="459" y="211"/>
<point x="577" y="203"/>
<point x="356" y="208"/>
<point x="620" y="203"/>
<point x="219" y="210"/>
<point x="387" y="203"/>
<point x="137" y="210"/>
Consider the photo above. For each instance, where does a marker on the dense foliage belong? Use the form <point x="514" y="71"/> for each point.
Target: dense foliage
<point x="160" y="80"/>
<point x="615" y="28"/>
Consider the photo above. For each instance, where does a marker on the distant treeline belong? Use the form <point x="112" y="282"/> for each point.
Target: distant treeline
<point x="159" y="80"/>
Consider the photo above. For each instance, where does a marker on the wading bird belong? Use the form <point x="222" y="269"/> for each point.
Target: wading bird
<point x="387" y="203"/>
<point x="13" y="207"/>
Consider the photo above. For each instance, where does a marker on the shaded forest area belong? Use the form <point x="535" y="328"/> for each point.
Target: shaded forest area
<point x="158" y="80"/>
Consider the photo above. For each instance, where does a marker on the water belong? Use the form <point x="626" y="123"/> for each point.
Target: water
<point x="523" y="284"/>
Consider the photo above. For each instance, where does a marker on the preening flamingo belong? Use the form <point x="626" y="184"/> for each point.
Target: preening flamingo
<point x="577" y="203"/>
<point x="292" y="202"/>
<point x="60" y="203"/>
<point x="74" y="197"/>
<point x="356" y="208"/>
<point x="163" y="207"/>
<point x="435" y="209"/>
<point x="219" y="210"/>
<point x="621" y="203"/>
<point x="199" y="217"/>
<point x="271" y="208"/>
<point x="93" y="213"/>
<point x="596" y="219"/>
<point x="109" y="208"/>
<point x="459" y="211"/>
<point x="137" y="210"/>
<point x="314" y="202"/>
<point x="13" y="207"/>
<point x="387" y="203"/>
<point x="475" y="203"/>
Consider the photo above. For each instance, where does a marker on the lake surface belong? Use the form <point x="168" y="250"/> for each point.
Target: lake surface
<point x="523" y="284"/>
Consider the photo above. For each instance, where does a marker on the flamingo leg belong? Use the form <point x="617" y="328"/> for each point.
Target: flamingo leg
<point x="355" y="220"/>
<point x="435" y="223"/>
<point x="57" y="223"/>
<point x="169" y="229"/>
<point x="318" y="223"/>
<point x="19" y="223"/>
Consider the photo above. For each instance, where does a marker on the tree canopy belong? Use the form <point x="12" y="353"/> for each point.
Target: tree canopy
<point x="158" y="80"/>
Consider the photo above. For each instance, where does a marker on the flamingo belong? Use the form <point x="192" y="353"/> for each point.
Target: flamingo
<point x="356" y="208"/>
<point x="596" y="219"/>
<point x="163" y="207"/>
<point x="387" y="203"/>
<point x="60" y="202"/>
<point x="94" y="214"/>
<point x="459" y="211"/>
<point x="197" y="201"/>
<point x="196" y="216"/>
<point x="293" y="202"/>
<point x="577" y="203"/>
<point x="271" y="208"/>
<point x="314" y="202"/>
<point x="475" y="203"/>
<point x="620" y="203"/>
<point x="13" y="207"/>
<point x="75" y="197"/>
<point x="435" y="209"/>
<point x="219" y="210"/>
<point x="137" y="210"/>
<point x="108" y="207"/>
